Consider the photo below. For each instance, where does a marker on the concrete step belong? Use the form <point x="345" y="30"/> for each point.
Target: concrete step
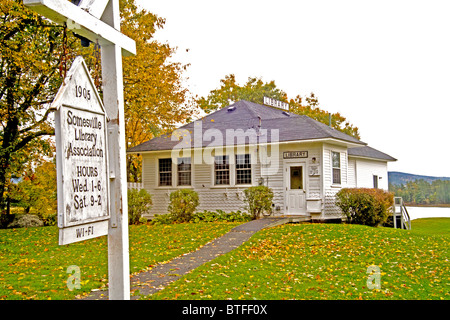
<point x="286" y="219"/>
<point x="299" y="219"/>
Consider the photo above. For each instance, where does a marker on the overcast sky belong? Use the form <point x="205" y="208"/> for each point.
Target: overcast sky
<point x="384" y="65"/>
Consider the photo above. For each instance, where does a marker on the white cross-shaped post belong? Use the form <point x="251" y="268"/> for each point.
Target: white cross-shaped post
<point x="99" y="21"/>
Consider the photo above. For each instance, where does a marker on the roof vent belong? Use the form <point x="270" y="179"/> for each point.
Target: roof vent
<point x="232" y="108"/>
<point x="286" y="113"/>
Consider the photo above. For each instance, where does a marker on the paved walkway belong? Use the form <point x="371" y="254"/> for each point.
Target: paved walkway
<point x="160" y="276"/>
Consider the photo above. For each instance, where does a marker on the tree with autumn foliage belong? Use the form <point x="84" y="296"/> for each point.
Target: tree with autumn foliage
<point x="230" y="91"/>
<point x="255" y="90"/>
<point x="155" y="99"/>
<point x="30" y="56"/>
<point x="37" y="190"/>
<point x="34" y="55"/>
<point x="312" y="110"/>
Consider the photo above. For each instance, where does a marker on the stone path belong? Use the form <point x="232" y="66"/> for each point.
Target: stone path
<point x="151" y="281"/>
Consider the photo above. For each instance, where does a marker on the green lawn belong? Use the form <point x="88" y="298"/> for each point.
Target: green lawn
<point x="326" y="261"/>
<point x="436" y="226"/>
<point x="305" y="261"/>
<point x="34" y="266"/>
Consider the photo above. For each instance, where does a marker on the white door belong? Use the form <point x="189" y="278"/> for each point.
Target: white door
<point x="295" y="189"/>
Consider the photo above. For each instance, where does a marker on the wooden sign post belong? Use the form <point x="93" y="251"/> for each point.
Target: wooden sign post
<point x="106" y="32"/>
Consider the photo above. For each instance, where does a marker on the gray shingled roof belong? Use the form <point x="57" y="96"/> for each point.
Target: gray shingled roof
<point x="369" y="152"/>
<point x="250" y="121"/>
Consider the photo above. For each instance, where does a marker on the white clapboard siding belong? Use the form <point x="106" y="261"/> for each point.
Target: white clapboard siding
<point x="365" y="171"/>
<point x="352" y="173"/>
<point x="330" y="190"/>
<point x="320" y="189"/>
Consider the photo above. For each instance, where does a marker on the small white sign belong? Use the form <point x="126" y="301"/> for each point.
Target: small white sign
<point x="276" y="103"/>
<point x="295" y="154"/>
<point x="81" y="157"/>
<point x="83" y="232"/>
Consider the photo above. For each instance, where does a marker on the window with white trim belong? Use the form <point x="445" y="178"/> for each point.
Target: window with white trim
<point x="184" y="171"/>
<point x="221" y="170"/>
<point x="165" y="172"/>
<point x="243" y="169"/>
<point x="336" y="165"/>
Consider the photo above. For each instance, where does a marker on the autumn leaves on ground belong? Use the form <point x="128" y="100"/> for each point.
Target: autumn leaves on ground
<point x="324" y="261"/>
<point x="295" y="261"/>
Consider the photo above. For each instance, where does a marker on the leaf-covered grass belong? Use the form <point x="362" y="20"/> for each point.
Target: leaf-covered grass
<point x="34" y="266"/>
<point x="324" y="261"/>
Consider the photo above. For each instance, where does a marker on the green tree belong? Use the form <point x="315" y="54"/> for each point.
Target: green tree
<point x="423" y="192"/>
<point x="255" y="90"/>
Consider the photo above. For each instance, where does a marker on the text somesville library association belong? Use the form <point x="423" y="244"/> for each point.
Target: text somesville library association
<point x="303" y="161"/>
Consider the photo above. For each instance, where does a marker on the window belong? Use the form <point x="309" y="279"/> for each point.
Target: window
<point x="184" y="171"/>
<point x="336" y="163"/>
<point x="165" y="172"/>
<point x="296" y="178"/>
<point x="243" y="169"/>
<point x="375" y="182"/>
<point x="221" y="170"/>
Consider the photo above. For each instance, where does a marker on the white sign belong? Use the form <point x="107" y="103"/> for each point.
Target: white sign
<point x="81" y="159"/>
<point x="295" y="154"/>
<point x="83" y="232"/>
<point x="276" y="103"/>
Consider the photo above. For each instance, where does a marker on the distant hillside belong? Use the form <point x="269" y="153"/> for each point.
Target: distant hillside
<point x="399" y="178"/>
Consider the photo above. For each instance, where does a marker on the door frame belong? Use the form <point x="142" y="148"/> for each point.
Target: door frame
<point x="287" y="164"/>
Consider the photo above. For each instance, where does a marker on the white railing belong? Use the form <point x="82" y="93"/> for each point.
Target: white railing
<point x="135" y="185"/>
<point x="401" y="218"/>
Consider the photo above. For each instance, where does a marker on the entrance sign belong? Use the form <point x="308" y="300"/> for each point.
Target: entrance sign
<point x="104" y="29"/>
<point x="295" y="154"/>
<point x="82" y="156"/>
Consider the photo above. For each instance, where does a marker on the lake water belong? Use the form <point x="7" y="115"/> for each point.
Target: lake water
<point x="428" y="212"/>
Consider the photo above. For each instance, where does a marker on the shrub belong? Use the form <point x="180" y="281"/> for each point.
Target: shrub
<point x="162" y="219"/>
<point x="220" y="215"/>
<point x="182" y="204"/>
<point x="370" y="207"/>
<point x="206" y="216"/>
<point x="26" y="221"/>
<point x="139" y="201"/>
<point x="49" y="219"/>
<point x="258" y="200"/>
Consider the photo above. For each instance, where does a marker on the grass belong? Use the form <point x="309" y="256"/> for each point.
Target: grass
<point x="305" y="261"/>
<point x="34" y="266"/>
<point x="325" y="261"/>
<point x="431" y="226"/>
